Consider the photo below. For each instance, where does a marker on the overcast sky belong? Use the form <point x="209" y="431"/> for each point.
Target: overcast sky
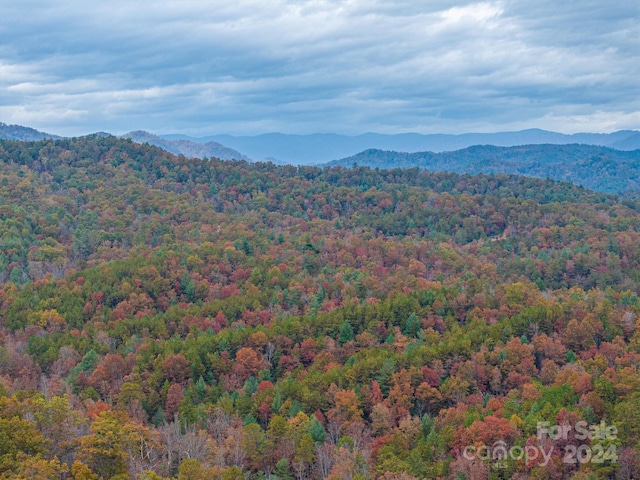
<point x="247" y="67"/>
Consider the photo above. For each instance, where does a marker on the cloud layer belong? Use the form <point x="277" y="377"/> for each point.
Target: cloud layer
<point x="250" y="67"/>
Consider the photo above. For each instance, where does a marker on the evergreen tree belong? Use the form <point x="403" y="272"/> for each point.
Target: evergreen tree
<point x="282" y="470"/>
<point x="346" y="333"/>
<point x="317" y="431"/>
<point x="412" y="326"/>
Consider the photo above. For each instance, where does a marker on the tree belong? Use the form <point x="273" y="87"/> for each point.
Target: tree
<point x="113" y="443"/>
<point x="176" y="368"/>
<point x="192" y="469"/>
<point x="175" y="395"/>
<point x="317" y="431"/>
<point x="346" y="407"/>
<point x="18" y="438"/>
<point x="38" y="468"/>
<point x="308" y="350"/>
<point x="428" y="399"/>
<point x="384" y="376"/>
<point x="16" y="275"/>
<point x="59" y="424"/>
<point x="628" y="420"/>
<point x="107" y="377"/>
<point x="282" y="470"/>
<point x="400" y="396"/>
<point x="455" y="389"/>
<point x="346" y="333"/>
<point x="255" y="444"/>
<point x="412" y="326"/>
<point x="247" y="363"/>
<point x="304" y="456"/>
<point x="81" y="472"/>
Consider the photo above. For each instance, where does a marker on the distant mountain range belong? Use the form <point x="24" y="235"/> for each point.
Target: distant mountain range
<point x="177" y="147"/>
<point x="597" y="168"/>
<point x="325" y="147"/>
<point x="26" y="134"/>
<point x="602" y="162"/>
<point x="186" y="147"/>
<point x="321" y="148"/>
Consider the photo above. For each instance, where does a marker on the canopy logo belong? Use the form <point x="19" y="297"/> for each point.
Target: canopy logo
<point x="541" y="453"/>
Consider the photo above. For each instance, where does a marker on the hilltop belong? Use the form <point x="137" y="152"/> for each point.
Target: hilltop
<point x="18" y="132"/>
<point x="186" y="147"/>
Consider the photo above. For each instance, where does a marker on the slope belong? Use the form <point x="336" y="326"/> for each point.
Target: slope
<point x="175" y="318"/>
<point x="187" y="148"/>
<point x="598" y="168"/>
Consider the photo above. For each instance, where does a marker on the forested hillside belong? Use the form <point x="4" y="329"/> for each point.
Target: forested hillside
<point x="598" y="168"/>
<point x="18" y="132"/>
<point x="195" y="319"/>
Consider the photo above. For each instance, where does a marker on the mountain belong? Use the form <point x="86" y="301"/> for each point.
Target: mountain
<point x="18" y="132"/>
<point x="178" y="147"/>
<point x="597" y="168"/>
<point x="321" y="148"/>
<point x="186" y="147"/>
<point x="632" y="142"/>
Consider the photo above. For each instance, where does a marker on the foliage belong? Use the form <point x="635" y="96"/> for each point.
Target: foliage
<point x="171" y="318"/>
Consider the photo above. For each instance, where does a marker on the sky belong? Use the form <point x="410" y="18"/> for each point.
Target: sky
<point x="244" y="67"/>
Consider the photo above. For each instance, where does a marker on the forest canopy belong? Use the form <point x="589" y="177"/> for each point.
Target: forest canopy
<point x="171" y="317"/>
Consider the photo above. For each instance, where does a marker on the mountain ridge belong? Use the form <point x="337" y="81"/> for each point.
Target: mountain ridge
<point x="19" y="132"/>
<point x="324" y="147"/>
<point x="187" y="147"/>
<point x="598" y="168"/>
<point x="177" y="147"/>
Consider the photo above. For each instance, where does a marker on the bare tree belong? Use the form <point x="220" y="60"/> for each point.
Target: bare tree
<point x="183" y="442"/>
<point x="218" y="423"/>
<point x="194" y="443"/>
<point x="269" y="350"/>
<point x="333" y="431"/>
<point x="324" y="460"/>
<point x="235" y="449"/>
<point x="146" y="456"/>
<point x="170" y="436"/>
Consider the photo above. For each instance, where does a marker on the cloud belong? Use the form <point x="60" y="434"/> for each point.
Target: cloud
<point x="346" y="66"/>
